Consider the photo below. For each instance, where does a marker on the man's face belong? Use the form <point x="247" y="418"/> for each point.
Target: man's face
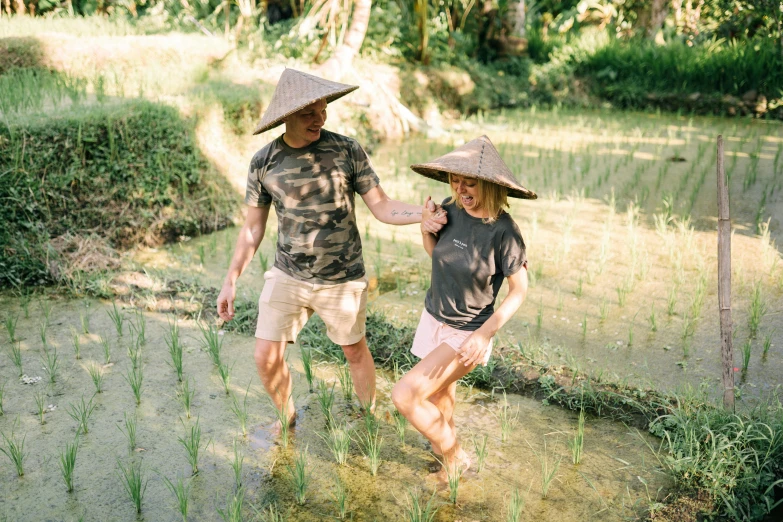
<point x="304" y="126"/>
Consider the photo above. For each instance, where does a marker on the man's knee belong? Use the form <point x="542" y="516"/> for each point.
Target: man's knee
<point x="356" y="352"/>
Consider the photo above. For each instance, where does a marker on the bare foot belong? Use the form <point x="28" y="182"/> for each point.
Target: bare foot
<point x="460" y="465"/>
<point x="263" y="437"/>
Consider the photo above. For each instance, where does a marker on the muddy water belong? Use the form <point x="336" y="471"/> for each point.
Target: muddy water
<point x="618" y="474"/>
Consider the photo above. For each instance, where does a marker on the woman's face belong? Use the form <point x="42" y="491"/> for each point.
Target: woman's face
<point x="467" y="191"/>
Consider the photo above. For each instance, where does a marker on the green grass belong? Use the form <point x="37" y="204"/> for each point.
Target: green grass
<point x="508" y="419"/>
<point x="133" y="481"/>
<point x="346" y="381"/>
<point x="338" y="440"/>
<point x="240" y="410"/>
<point x="233" y="509"/>
<point x="51" y="363"/>
<point x="211" y="342"/>
<point x="236" y="465"/>
<point x="106" y="349"/>
<point x="76" y="342"/>
<point x="756" y="310"/>
<point x="416" y="510"/>
<point x="400" y="425"/>
<point x="548" y="470"/>
<point x="224" y="372"/>
<point x="117" y="318"/>
<point x="515" y="506"/>
<point x="340" y="497"/>
<point x="370" y="444"/>
<point x="307" y="364"/>
<point x="577" y="443"/>
<point x="480" y="446"/>
<point x="185" y="395"/>
<point x="40" y="405"/>
<point x="15" y="354"/>
<point x="68" y="463"/>
<point x="10" y="327"/>
<point x="96" y="374"/>
<point x="325" y="400"/>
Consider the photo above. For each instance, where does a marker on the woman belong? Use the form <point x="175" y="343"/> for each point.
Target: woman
<point x="471" y="256"/>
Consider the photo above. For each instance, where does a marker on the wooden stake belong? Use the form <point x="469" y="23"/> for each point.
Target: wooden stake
<point x="724" y="283"/>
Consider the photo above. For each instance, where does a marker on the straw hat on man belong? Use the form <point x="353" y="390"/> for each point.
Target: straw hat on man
<point x="311" y="176"/>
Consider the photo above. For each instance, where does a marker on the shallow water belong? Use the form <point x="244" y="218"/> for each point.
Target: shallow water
<point x="617" y="477"/>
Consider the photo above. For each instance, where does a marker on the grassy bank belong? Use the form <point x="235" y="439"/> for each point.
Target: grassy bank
<point x="92" y="179"/>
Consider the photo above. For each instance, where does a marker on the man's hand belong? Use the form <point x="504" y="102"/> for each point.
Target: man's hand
<point x="433" y="217"/>
<point x="225" y="301"/>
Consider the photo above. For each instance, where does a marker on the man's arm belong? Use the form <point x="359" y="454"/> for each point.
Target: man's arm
<point x="391" y="211"/>
<point x="250" y="237"/>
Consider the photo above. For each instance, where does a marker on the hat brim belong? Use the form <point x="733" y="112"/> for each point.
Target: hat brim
<point x="437" y="173"/>
<point x="265" y="126"/>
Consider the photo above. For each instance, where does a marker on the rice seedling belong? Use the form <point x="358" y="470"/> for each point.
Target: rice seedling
<point x="415" y="508"/>
<point x="283" y="419"/>
<point x="134" y="353"/>
<point x="767" y="343"/>
<point x="202" y="254"/>
<point x="129" y="430"/>
<point x="622" y="294"/>
<point x="240" y="410"/>
<point x="578" y="442"/>
<point x="578" y="290"/>
<point x="548" y="470"/>
<point x="236" y="466"/>
<point x="603" y="310"/>
<point x="84" y="320"/>
<point x="307" y="364"/>
<point x="756" y="310"/>
<point x="346" y="382"/>
<point x="300" y="476"/>
<point x="515" y="506"/>
<point x="51" y="363"/>
<point x="340" y="497"/>
<point x="508" y="419"/>
<point x="175" y="348"/>
<point x="96" y="374"/>
<point x="400" y="423"/>
<point x="181" y="492"/>
<point x="140" y="326"/>
<point x="185" y="396"/>
<point x="106" y="349"/>
<point x="747" y="348"/>
<point x="325" y="399"/>
<point x="132" y="479"/>
<point x="671" y="302"/>
<point x="13" y="448"/>
<point x="212" y="342"/>
<point x="224" y="372"/>
<point x="192" y="444"/>
<point x="630" y="334"/>
<point x="2" y="396"/>
<point x="68" y="463"/>
<point x="370" y="445"/>
<point x="15" y="354"/>
<point x="46" y="309"/>
<point x="453" y="475"/>
<point x="42" y="328"/>
<point x="116" y="318"/>
<point x="77" y="345"/>
<point x="338" y="440"/>
<point x="480" y="446"/>
<point x="10" y="326"/>
<point x="584" y="326"/>
<point x="40" y="405"/>
<point x="540" y="314"/>
<point x="81" y="413"/>
<point x="652" y="320"/>
<point x="135" y="378"/>
<point x="233" y="510"/>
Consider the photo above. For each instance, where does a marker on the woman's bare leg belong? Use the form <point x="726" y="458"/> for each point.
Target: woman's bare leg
<point x="444" y="400"/>
<point x="436" y="372"/>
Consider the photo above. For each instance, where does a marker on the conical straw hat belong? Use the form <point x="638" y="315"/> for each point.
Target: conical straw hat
<point x="476" y="159"/>
<point x="295" y="91"/>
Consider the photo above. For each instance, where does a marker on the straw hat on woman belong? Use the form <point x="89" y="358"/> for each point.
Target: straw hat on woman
<point x="472" y="255"/>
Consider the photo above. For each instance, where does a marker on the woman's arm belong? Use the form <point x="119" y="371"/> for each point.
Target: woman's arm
<point x="474" y="348"/>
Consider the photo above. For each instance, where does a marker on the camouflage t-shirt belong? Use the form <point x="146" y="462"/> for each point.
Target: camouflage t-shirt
<point x="313" y="191"/>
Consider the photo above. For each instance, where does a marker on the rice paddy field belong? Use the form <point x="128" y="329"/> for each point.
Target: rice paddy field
<point x="143" y="406"/>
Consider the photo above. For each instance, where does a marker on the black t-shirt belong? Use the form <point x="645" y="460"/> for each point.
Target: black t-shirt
<point x="469" y="263"/>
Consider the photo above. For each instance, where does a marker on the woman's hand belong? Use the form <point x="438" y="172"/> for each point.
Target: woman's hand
<point x="433" y="217"/>
<point x="474" y="349"/>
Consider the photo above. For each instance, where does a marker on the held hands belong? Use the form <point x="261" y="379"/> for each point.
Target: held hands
<point x="225" y="301"/>
<point x="474" y="349"/>
<point x="433" y="217"/>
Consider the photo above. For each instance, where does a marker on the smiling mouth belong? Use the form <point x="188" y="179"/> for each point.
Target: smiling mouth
<point x="467" y="200"/>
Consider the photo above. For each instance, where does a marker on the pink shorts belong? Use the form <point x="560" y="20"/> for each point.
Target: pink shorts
<point x="430" y="334"/>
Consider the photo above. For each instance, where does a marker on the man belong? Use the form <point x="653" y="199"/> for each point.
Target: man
<point x="311" y="176"/>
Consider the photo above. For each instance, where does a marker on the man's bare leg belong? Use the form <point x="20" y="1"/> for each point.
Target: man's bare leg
<point x="276" y="378"/>
<point x="362" y="371"/>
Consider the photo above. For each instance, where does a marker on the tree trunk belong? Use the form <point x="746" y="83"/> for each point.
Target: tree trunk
<point x="659" y="10"/>
<point x="343" y="56"/>
<point x="516" y="14"/>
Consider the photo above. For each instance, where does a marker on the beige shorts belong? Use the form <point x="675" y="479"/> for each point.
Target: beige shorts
<point x="286" y="304"/>
<point x="430" y="334"/>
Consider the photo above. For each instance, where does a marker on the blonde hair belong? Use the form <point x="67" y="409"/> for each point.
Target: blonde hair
<point x="491" y="197"/>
